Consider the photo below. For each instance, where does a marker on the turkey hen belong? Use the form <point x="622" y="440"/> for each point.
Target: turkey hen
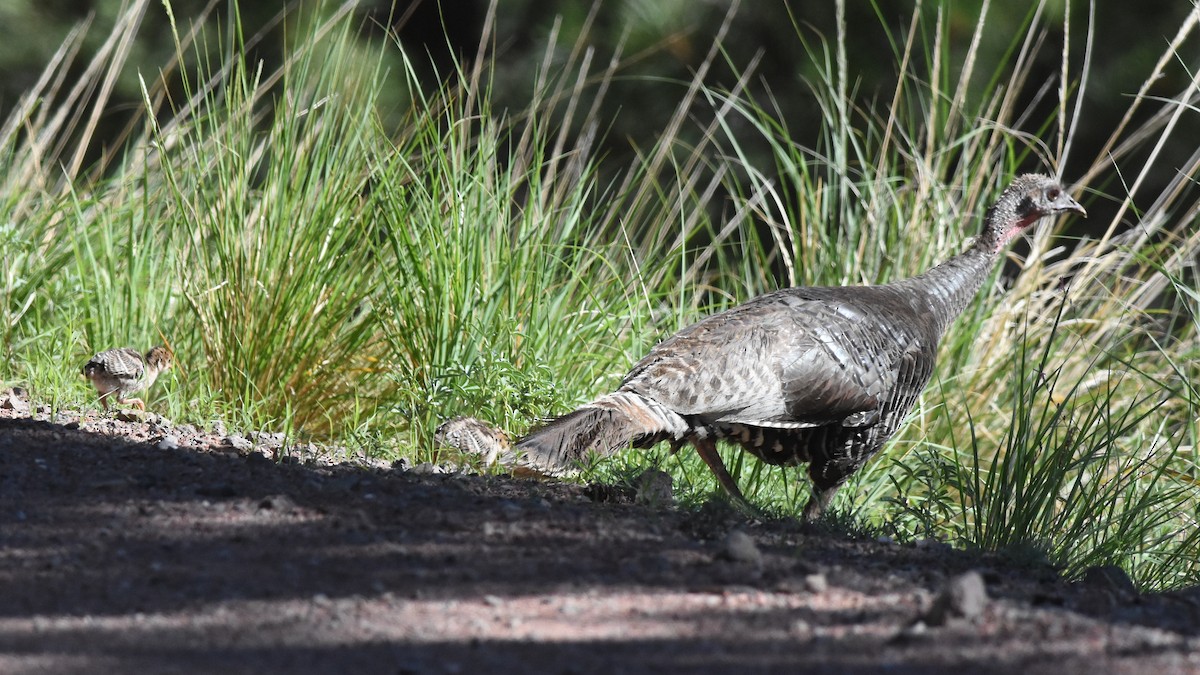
<point x="823" y="375"/>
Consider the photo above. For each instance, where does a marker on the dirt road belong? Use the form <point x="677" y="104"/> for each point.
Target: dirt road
<point x="150" y="548"/>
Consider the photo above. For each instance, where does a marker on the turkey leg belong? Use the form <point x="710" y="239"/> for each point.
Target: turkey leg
<point x="707" y="449"/>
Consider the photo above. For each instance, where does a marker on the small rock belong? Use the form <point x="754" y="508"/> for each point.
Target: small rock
<point x="1111" y="578"/>
<point x="168" y="442"/>
<point x="963" y="596"/>
<point x="373" y="463"/>
<point x="654" y="488"/>
<point x="402" y="464"/>
<point x="130" y="415"/>
<point x="913" y="633"/>
<point x="1106" y="587"/>
<point x="16" y="399"/>
<point x="280" y="503"/>
<point x="740" y="547"/>
<point x="237" y="442"/>
<point x="269" y="439"/>
<point x="427" y="469"/>
<point x="816" y="583"/>
<point x="267" y="443"/>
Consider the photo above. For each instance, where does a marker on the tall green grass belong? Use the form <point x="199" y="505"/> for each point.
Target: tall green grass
<point x="323" y="269"/>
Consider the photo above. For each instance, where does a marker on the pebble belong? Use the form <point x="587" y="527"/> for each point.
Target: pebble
<point x="237" y="442"/>
<point x="1106" y="587"/>
<point x="654" y="488"/>
<point x="964" y="596"/>
<point x="168" y="442"/>
<point x="280" y="503"/>
<point x="914" y="633"/>
<point x="270" y="439"/>
<point x="427" y="469"/>
<point x="1111" y="578"/>
<point x="816" y="583"/>
<point x="740" y="547"/>
<point x="15" y="399"/>
<point x="187" y="429"/>
<point x="130" y="415"/>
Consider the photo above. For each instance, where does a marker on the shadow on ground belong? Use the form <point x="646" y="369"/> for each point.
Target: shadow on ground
<point x="118" y="555"/>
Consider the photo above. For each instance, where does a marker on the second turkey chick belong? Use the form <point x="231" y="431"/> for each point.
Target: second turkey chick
<point x="117" y="373"/>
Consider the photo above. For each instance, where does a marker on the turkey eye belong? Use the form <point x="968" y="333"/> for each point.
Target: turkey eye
<point x="1052" y="194"/>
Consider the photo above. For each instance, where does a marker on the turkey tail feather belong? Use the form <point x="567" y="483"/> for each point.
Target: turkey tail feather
<point x="602" y="427"/>
<point x="567" y="441"/>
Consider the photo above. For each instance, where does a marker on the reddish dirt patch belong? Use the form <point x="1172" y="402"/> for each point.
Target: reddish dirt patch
<point x="122" y="554"/>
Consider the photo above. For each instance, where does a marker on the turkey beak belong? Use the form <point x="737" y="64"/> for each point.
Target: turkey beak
<point x="1066" y="203"/>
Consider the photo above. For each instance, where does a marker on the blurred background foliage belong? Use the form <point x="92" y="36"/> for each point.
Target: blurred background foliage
<point x="659" y="44"/>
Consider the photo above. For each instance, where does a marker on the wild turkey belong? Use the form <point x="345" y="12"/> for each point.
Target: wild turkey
<point x="823" y="375"/>
<point x="475" y="437"/>
<point x="124" y="371"/>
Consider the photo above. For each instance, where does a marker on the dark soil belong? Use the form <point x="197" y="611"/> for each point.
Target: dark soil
<point x="122" y="552"/>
